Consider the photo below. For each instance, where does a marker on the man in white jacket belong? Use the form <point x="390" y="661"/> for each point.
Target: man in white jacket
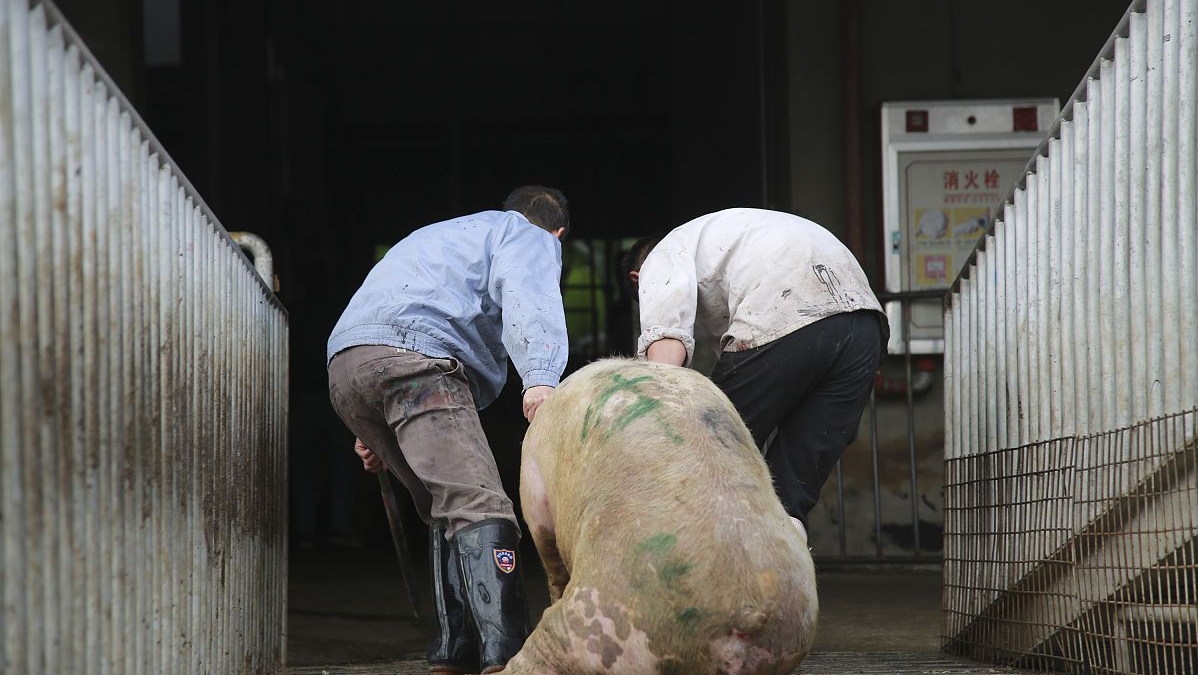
<point x="790" y="315"/>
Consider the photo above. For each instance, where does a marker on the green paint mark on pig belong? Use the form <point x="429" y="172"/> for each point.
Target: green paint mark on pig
<point x="690" y="617"/>
<point x="673" y="435"/>
<point x="673" y="571"/>
<point x="658" y="544"/>
<point x="643" y="406"/>
<point x="619" y="384"/>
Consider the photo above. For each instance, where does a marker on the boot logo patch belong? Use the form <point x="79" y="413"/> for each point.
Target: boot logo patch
<point x="505" y="560"/>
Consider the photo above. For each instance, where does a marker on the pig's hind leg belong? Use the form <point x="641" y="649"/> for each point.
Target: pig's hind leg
<point x="539" y="516"/>
<point x="551" y="560"/>
<point x="585" y="634"/>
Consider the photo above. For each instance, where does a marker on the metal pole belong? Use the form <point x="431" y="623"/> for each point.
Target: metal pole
<point x="873" y="451"/>
<point x="407" y="570"/>
<point x="906" y="303"/>
<point x="844" y="546"/>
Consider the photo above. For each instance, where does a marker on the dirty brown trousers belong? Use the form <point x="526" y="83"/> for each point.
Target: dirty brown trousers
<point x="417" y="414"/>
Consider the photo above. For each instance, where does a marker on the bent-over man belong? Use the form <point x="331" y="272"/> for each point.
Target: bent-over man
<point x="798" y="332"/>
<point x="424" y="344"/>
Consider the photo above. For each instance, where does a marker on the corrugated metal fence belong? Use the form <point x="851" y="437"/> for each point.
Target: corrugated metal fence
<point x="1071" y="498"/>
<point x="142" y="391"/>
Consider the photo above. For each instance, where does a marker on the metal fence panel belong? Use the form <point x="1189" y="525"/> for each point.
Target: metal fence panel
<point x="143" y="406"/>
<point x="1072" y="375"/>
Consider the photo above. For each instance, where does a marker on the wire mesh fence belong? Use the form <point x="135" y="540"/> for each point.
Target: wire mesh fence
<point x="1077" y="554"/>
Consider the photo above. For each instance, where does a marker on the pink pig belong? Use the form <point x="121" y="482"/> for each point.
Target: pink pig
<point x="655" y="517"/>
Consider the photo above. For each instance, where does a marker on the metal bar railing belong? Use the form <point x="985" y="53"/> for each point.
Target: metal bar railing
<point x="911" y="459"/>
<point x="877" y="478"/>
<point x="918" y="551"/>
<point x="1071" y="369"/>
<point x="143" y="374"/>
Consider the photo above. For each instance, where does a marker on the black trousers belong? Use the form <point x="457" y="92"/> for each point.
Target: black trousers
<point x="811" y="385"/>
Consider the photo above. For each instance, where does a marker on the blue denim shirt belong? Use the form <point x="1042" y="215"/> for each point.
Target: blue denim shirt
<point x="476" y="289"/>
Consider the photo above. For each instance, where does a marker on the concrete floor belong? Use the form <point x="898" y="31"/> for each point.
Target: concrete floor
<point x="348" y="616"/>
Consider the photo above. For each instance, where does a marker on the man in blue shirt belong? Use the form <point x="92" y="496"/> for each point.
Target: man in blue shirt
<point x="421" y="347"/>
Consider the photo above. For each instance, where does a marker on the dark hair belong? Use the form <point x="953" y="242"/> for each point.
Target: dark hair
<point x="635" y="256"/>
<point x="544" y="207"/>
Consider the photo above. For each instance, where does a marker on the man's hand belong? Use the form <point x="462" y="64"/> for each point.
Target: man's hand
<point x="370" y="461"/>
<point x="533" y="398"/>
<point x="667" y="350"/>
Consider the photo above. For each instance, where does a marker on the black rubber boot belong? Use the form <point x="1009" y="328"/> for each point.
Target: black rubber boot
<point x="455" y="649"/>
<point x="487" y="551"/>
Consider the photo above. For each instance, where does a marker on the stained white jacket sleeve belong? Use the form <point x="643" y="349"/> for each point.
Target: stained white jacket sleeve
<point x="669" y="293"/>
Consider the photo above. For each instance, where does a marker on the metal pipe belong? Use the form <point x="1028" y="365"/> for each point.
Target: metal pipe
<point x="911" y="428"/>
<point x="264" y="262"/>
<point x="873" y="453"/>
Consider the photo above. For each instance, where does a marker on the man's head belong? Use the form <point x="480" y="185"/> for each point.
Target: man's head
<point x="543" y="206"/>
<point x="635" y="256"/>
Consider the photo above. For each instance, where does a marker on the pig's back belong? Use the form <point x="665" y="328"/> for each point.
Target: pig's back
<point x="668" y="510"/>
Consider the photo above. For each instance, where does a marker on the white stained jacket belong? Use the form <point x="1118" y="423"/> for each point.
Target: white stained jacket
<point x="740" y="278"/>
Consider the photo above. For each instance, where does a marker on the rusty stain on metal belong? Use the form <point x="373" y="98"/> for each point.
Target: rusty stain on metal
<point x="143" y="406"/>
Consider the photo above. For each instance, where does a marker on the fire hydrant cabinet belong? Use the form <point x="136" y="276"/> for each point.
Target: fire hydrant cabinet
<point x="946" y="168"/>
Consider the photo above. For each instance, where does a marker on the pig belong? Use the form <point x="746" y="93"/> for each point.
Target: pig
<point x="666" y="549"/>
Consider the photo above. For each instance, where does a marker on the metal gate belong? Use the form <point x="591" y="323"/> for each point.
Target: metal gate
<point x="142" y="391"/>
<point x="1072" y="371"/>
